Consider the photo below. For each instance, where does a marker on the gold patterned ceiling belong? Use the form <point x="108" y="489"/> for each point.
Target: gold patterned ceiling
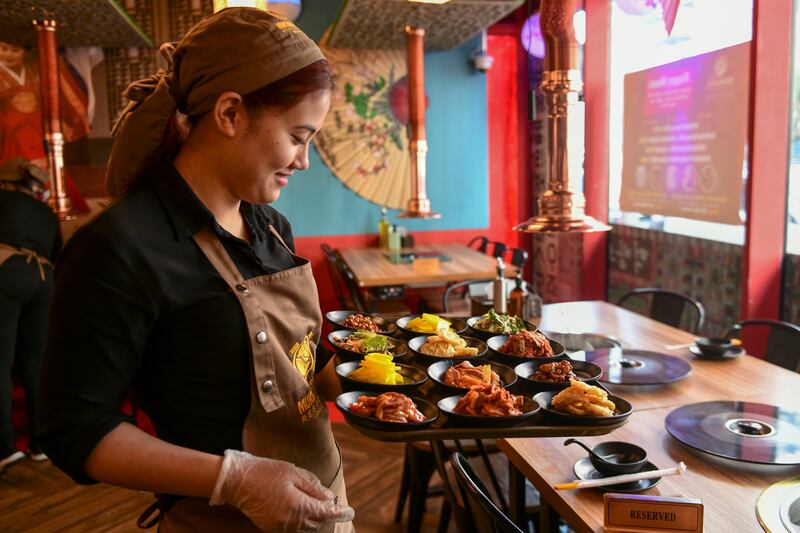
<point x="80" y="23"/>
<point x="378" y="24"/>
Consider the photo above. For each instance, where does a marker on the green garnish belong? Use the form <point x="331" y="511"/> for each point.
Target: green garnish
<point x="372" y="342"/>
<point x="496" y="323"/>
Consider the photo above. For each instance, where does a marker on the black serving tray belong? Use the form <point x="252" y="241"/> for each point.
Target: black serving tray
<point x="446" y="428"/>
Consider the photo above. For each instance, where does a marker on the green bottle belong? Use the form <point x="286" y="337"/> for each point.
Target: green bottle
<point x="383" y="230"/>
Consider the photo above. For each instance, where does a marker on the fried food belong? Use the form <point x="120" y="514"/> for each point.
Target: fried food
<point x="581" y="399"/>
<point x="527" y="344"/>
<point x="388" y="407"/>
<point x="489" y="400"/>
<point x="555" y="372"/>
<point x="447" y="343"/>
<point x="466" y="376"/>
<point x="359" y="321"/>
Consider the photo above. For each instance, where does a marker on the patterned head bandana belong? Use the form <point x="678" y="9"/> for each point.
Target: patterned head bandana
<point x="237" y="49"/>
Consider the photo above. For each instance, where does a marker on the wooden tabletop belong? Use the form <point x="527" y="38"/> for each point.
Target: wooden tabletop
<point x="372" y="269"/>
<point x="728" y="489"/>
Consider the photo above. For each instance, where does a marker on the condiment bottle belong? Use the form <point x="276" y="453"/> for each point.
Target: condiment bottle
<point x="517" y="297"/>
<point x="383" y="229"/>
<point x="498" y="288"/>
<point x="394" y="238"/>
<point x="533" y="305"/>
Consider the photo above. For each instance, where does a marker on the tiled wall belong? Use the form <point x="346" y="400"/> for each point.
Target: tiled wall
<point x="708" y="271"/>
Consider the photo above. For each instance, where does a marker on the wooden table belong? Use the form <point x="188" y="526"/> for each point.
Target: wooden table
<point x="372" y="269"/>
<point x="728" y="489"/>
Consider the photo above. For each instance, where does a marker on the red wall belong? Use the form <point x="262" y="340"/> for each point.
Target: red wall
<point x="506" y="173"/>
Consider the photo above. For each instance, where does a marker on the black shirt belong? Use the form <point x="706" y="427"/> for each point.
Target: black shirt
<point x="26" y="222"/>
<point x="137" y="304"/>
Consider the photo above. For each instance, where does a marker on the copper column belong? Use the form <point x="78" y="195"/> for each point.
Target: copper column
<point x="419" y="206"/>
<point x="51" y="116"/>
<point x="561" y="207"/>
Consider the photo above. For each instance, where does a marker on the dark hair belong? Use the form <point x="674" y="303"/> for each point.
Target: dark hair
<point x="282" y="94"/>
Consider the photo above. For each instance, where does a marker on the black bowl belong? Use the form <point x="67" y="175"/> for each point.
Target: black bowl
<point x="337" y="318"/>
<point x="486" y="334"/>
<point x="437" y="370"/>
<point x="622" y="412"/>
<point x="446" y="406"/>
<point x="423" y="358"/>
<point x="412" y="378"/>
<point x="496" y="342"/>
<point x="618" y="458"/>
<point x="456" y="324"/>
<point x="714" y="345"/>
<point x="344" y="400"/>
<point x="588" y="372"/>
<point x="400" y="346"/>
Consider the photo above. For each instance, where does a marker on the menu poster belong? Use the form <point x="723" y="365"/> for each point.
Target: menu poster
<point x="685" y="129"/>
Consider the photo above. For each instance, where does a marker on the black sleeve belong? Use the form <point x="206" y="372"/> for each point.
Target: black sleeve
<point x="323" y="355"/>
<point x="58" y="243"/>
<point x="100" y="319"/>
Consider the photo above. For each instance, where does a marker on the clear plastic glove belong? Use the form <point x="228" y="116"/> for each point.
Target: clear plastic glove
<point x="276" y="495"/>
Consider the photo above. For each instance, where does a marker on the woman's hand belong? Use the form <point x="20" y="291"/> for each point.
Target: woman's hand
<point x="276" y="495"/>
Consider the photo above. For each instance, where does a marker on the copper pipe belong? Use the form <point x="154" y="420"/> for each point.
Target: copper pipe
<point x="51" y="116"/>
<point x="562" y="206"/>
<point x="419" y="206"/>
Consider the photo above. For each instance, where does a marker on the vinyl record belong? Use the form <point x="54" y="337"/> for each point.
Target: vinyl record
<point x="638" y="367"/>
<point x="742" y="431"/>
<point x="778" y="507"/>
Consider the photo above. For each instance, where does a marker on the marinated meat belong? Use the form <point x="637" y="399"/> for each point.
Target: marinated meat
<point x="466" y="375"/>
<point x="527" y="344"/>
<point x="388" y="407"/>
<point x="489" y="400"/>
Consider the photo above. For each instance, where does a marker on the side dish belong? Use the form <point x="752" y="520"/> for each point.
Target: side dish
<point x="366" y="342"/>
<point x="555" y="372"/>
<point x="359" y="321"/>
<point x="527" y="344"/>
<point x="502" y="324"/>
<point x="447" y="343"/>
<point x="377" y="368"/>
<point x="465" y="375"/>
<point x="580" y="399"/>
<point x="489" y="400"/>
<point x="388" y="407"/>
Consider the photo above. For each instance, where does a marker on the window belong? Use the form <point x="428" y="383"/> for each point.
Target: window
<point x="638" y="42"/>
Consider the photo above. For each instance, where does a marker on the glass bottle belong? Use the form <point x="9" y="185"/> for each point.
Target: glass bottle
<point x="517" y="297"/>
<point x="533" y="305"/>
<point x="393" y="239"/>
<point x="383" y="230"/>
<point x="498" y="288"/>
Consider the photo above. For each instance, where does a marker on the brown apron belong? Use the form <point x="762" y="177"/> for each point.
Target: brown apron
<point x="7" y="252"/>
<point x="287" y="419"/>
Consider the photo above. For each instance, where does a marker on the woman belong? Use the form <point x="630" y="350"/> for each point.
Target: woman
<point x="30" y="239"/>
<point x="188" y="291"/>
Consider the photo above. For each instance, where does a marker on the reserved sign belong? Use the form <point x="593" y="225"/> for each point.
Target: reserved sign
<point x="426" y="265"/>
<point x="630" y="512"/>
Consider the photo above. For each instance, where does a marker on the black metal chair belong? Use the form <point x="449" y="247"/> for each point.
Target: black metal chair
<point x="484" y="513"/>
<point x="783" y="341"/>
<point x="348" y="292"/>
<point x="516" y="256"/>
<point x="480" y="243"/>
<point x="667" y="306"/>
<point x="454" y="297"/>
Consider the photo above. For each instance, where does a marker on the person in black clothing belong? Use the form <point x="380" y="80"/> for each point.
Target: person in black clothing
<point x="188" y="291"/>
<point x="30" y="240"/>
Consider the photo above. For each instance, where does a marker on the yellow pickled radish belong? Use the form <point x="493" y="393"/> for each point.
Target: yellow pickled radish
<point x="377" y="368"/>
<point x="487" y="373"/>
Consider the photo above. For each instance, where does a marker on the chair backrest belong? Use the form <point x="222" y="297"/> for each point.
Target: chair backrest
<point x="783" y="341"/>
<point x="457" y="288"/>
<point x="516" y="256"/>
<point x="485" y="514"/>
<point x="480" y="243"/>
<point x="496" y="249"/>
<point x="342" y="278"/>
<point x="668" y="307"/>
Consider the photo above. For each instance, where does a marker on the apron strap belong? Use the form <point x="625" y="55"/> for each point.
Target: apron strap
<point x="280" y="239"/>
<point x="216" y="254"/>
<point x="7" y="252"/>
<point x="159" y="507"/>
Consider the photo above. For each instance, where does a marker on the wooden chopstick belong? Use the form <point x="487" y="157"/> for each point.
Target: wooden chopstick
<point x="625" y="478"/>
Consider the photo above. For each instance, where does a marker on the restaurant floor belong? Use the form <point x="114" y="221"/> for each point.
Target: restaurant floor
<point x="39" y="498"/>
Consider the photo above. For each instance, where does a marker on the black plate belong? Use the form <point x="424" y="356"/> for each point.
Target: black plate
<point x="639" y="367"/>
<point x="423" y="358"/>
<point x="588" y="372"/>
<point x="743" y="431"/>
<point x="456" y="324"/>
<point x="437" y="371"/>
<point x="446" y="406"/>
<point x="337" y="318"/>
<point x="343" y="402"/>
<point x="412" y="378"/>
<point x="496" y="342"/>
<point x="400" y="351"/>
<point x="622" y="412"/>
<point x="584" y="469"/>
<point x="485" y="334"/>
<point x="733" y="353"/>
